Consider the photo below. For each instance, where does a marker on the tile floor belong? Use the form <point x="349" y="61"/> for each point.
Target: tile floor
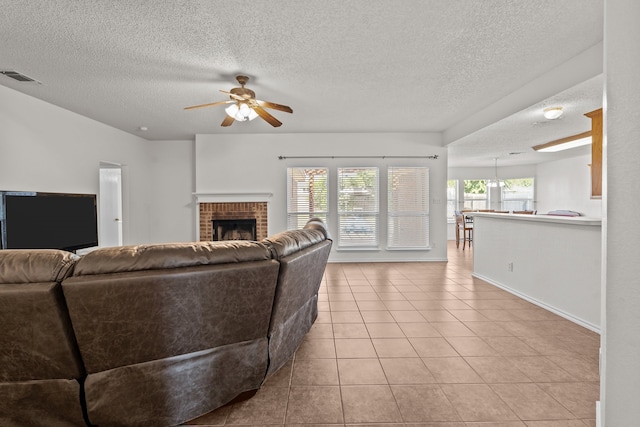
<point x="426" y="344"/>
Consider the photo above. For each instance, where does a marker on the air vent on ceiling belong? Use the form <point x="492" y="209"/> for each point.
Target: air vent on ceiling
<point x="17" y="76"/>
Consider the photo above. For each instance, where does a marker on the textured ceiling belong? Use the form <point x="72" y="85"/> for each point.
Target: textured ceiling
<point x="343" y="66"/>
<point x="510" y="139"/>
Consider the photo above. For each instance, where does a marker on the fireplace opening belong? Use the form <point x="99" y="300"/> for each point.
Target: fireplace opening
<point x="234" y="229"/>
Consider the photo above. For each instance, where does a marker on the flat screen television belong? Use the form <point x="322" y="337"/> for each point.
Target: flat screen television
<point x="34" y="220"/>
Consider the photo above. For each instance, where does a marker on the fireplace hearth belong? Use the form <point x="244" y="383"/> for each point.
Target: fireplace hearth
<point x="234" y="229"/>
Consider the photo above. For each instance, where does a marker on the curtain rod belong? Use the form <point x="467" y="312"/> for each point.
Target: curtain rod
<point x="435" y="156"/>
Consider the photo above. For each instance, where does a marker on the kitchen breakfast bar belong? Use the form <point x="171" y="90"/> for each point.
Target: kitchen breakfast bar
<point x="551" y="261"/>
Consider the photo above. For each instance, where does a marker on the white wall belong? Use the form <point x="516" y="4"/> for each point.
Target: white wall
<point x="250" y="164"/>
<point x="171" y="207"/>
<point x="47" y="148"/>
<point x="620" y="378"/>
<point x="566" y="184"/>
<point x="504" y="172"/>
<point x="509" y="250"/>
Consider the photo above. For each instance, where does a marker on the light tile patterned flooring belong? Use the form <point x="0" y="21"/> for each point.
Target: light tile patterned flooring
<point x="426" y="344"/>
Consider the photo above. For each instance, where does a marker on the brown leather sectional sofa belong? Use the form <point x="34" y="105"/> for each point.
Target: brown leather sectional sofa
<point x="151" y="335"/>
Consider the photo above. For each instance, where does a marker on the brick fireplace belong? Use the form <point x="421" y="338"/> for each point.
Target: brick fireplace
<point x="232" y="211"/>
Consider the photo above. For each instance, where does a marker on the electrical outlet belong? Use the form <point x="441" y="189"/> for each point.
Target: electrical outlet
<point x="510" y="266"/>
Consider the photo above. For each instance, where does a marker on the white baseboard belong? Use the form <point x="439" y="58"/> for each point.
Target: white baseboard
<point x="541" y="304"/>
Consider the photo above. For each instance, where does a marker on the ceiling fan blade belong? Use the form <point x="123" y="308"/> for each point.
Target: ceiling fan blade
<point x="274" y="106"/>
<point x="266" y="116"/>
<point x="208" y="105"/>
<point x="228" y="120"/>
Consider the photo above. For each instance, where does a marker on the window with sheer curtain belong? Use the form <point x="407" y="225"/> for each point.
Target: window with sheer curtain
<point x="307" y="196"/>
<point x="408" y="207"/>
<point x="358" y="207"/>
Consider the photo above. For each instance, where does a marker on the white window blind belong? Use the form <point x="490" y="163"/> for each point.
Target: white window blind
<point x="408" y="207"/>
<point x="306" y="196"/>
<point x="358" y="207"/>
<point x="452" y="199"/>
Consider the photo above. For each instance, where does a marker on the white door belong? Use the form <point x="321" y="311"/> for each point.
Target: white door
<point x="110" y="205"/>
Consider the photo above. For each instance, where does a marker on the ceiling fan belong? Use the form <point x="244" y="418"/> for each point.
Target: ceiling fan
<point x="244" y="106"/>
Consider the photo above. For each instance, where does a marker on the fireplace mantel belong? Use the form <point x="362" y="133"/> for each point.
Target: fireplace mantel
<point x="232" y="197"/>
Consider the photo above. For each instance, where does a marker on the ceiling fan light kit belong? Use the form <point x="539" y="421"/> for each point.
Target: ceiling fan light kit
<point x="241" y="112"/>
<point x="244" y="106"/>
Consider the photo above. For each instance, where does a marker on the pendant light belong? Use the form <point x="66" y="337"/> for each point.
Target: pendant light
<point x="495" y="182"/>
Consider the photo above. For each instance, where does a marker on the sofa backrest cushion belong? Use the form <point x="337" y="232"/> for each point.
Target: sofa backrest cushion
<point x="36" y="338"/>
<point x="170" y="255"/>
<point x="166" y="301"/>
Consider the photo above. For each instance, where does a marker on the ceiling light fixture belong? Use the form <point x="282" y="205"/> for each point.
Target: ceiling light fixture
<point x="572" y="141"/>
<point x="552" y="113"/>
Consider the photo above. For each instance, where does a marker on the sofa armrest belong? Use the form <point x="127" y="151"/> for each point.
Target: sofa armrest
<point x="291" y="241"/>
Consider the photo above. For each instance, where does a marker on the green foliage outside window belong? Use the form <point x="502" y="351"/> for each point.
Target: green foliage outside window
<point x="475" y="186"/>
<point x="358" y="190"/>
<point x="318" y="193"/>
<point x="511" y="184"/>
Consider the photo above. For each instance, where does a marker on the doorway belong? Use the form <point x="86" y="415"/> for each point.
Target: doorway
<point x="110" y="204"/>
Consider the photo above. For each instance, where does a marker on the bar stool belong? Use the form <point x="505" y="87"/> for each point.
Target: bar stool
<point x="464" y="223"/>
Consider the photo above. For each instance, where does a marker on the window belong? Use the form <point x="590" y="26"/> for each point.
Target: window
<point x="452" y="198"/>
<point x="517" y="194"/>
<point x="358" y="207"/>
<point x="475" y="194"/>
<point x="306" y="196"/>
<point x="408" y="207"/>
